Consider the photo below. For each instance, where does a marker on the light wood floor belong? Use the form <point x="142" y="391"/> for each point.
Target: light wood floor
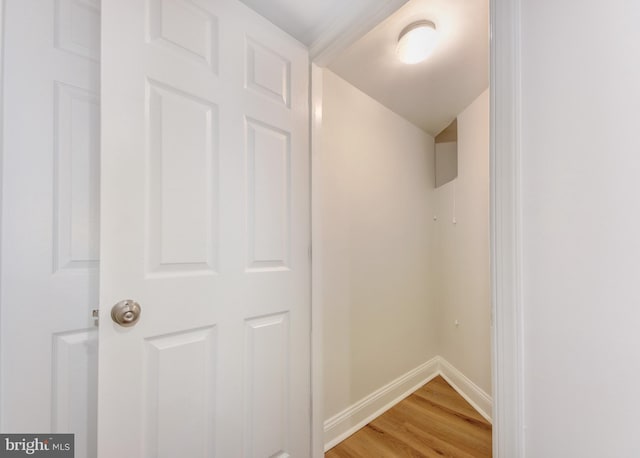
<point x="435" y="421"/>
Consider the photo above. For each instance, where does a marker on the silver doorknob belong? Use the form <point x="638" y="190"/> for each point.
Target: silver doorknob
<point x="126" y="313"/>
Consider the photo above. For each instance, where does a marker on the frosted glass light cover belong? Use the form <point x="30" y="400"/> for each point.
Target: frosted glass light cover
<point x="416" y="42"/>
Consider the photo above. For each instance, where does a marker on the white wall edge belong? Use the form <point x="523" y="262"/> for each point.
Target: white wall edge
<point x="472" y="393"/>
<point x="351" y="25"/>
<point x="315" y="119"/>
<point x="353" y="418"/>
<point x="506" y="244"/>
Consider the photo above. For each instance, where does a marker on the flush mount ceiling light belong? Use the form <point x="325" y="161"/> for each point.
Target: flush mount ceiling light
<point x="416" y="41"/>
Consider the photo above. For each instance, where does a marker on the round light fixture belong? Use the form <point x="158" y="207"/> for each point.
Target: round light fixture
<point x="416" y="41"/>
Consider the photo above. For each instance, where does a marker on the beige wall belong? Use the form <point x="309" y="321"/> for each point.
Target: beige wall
<point x="463" y="287"/>
<point x="377" y="179"/>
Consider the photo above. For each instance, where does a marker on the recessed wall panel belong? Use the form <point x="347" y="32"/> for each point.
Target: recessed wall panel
<point x="185" y="28"/>
<point x="75" y="383"/>
<point x="268" y="73"/>
<point x="183" y="183"/>
<point x="180" y="394"/>
<point x="77" y="27"/>
<point x="76" y="189"/>
<point x="268" y="177"/>
<point x="267" y="386"/>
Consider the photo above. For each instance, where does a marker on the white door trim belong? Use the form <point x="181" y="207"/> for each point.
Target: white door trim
<point x="506" y="226"/>
<point x="317" y="387"/>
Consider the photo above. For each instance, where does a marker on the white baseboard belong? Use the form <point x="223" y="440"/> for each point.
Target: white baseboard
<point x="350" y="420"/>
<point x="472" y="393"/>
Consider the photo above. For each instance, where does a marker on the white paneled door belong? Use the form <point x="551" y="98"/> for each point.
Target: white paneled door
<point x="158" y="151"/>
<point x="50" y="218"/>
<point x="205" y="223"/>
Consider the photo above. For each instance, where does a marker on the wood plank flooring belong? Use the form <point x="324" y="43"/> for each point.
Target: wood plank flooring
<point x="435" y="421"/>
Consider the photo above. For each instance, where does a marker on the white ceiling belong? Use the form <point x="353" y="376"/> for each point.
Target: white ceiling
<point x="429" y="94"/>
<point x="310" y="21"/>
